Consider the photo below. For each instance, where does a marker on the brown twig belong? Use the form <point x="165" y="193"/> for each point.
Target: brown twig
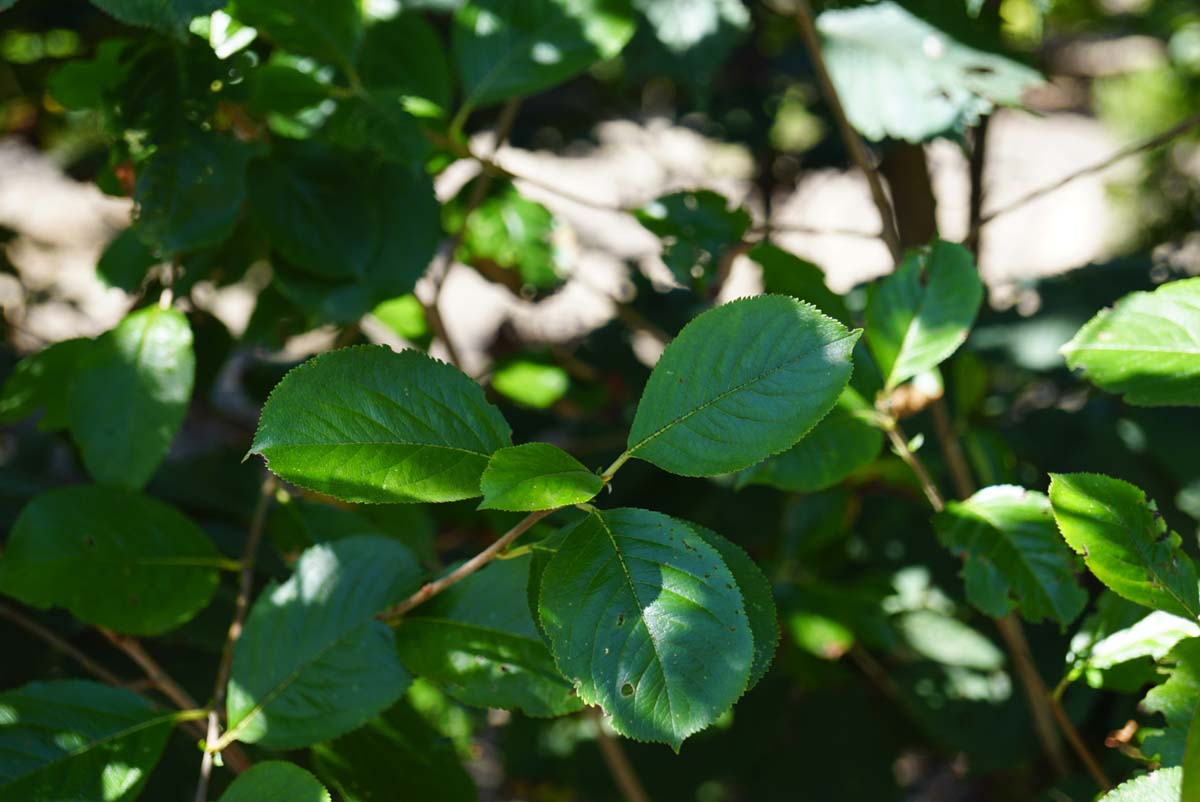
<point x="150" y="667"/>
<point x="241" y="606"/>
<point x="619" y="767"/>
<point x="900" y="445"/>
<point x="427" y="591"/>
<point x="850" y="138"/>
<point x="504" y="124"/>
<point x="1077" y="744"/>
<point x="952" y="452"/>
<point x="1158" y="140"/>
<point x="60" y="645"/>
<point x="1038" y="695"/>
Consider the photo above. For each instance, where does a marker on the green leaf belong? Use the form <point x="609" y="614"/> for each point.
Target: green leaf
<point x="1152" y="636"/>
<point x="697" y="228"/>
<point x="478" y="643"/>
<point x="405" y="54"/>
<point x="1191" y="762"/>
<point x="1176" y="699"/>
<point x="84" y="83"/>
<point x="784" y="273"/>
<point x="1125" y="542"/>
<point x="329" y="30"/>
<point x="741" y="382"/>
<point x="646" y="619"/>
<point x="376" y="121"/>
<point x="76" y="740"/>
<point x="698" y="35"/>
<point x="756" y="593"/>
<point x="189" y="193"/>
<point x="130" y="395"/>
<point x="508" y="48"/>
<point x="313" y="662"/>
<point x="114" y="558"/>
<point x="920" y="314"/>
<point x="368" y="424"/>
<point x="38" y="381"/>
<point x="126" y="261"/>
<point x="346" y="218"/>
<point x="396" y="756"/>
<point x="1158" y="786"/>
<point x="168" y="16"/>
<point x="510" y="239"/>
<point x="899" y="76"/>
<point x="275" y="781"/>
<point x="841" y="444"/>
<point x="531" y="381"/>
<point x="1146" y="348"/>
<point x="536" y="476"/>
<point x="1013" y="555"/>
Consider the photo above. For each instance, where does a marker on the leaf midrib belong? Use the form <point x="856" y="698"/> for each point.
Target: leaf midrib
<point x="738" y="388"/>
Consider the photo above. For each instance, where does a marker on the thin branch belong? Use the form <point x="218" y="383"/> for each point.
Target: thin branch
<point x="1077" y="744"/>
<point x="619" y="767"/>
<point x="241" y="606"/>
<point x="60" y="645"/>
<point x="1038" y="695"/>
<point x="504" y="124"/>
<point x="1150" y="143"/>
<point x="850" y="138"/>
<point x="427" y="591"/>
<point x="900" y="445"/>
<point x="150" y="667"/>
<point x="952" y="452"/>
<point x="977" y="170"/>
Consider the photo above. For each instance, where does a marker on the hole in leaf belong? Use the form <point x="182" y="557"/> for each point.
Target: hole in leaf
<point x="620" y="619"/>
<point x="627" y="689"/>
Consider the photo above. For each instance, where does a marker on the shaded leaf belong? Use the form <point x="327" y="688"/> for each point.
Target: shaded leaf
<point x="1125" y="542"/>
<point x="1176" y="699"/>
<point x="1013" y="555"/>
<point x="536" y="476"/>
<point x="1147" y="347"/>
<point x="1151" y="636"/>
<point x="648" y="622"/>
<point x="757" y="595"/>
<point x="841" y="444"/>
<point x="114" y="558"/>
<point x="741" y="382"/>
<point x="478" y="643"/>
<point x="368" y="424"/>
<point x="899" y="76"/>
<point x="329" y="30"/>
<point x="696" y="228"/>
<point x="313" y="662"/>
<point x="507" y="48"/>
<point x="130" y="395"/>
<point x="168" y="16"/>
<point x="71" y="739"/>
<point x="920" y="314"/>
<point x="405" y="54"/>
<point x="126" y="261"/>
<point x="275" y="781"/>
<point x="397" y="755"/>
<point x="189" y="193"/>
<point x="37" y="382"/>
<point x="784" y="273"/>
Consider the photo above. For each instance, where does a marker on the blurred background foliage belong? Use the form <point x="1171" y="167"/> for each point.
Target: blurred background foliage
<point x="886" y="686"/>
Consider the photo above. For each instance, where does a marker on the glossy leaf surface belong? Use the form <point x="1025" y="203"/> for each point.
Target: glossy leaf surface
<point x="313" y="662"/>
<point x="741" y="382"/>
<point x="1125" y="542"/>
<point x="1146" y="348"/>
<point x="536" y="476"/>
<point x="920" y="314"/>
<point x="648" y="622"/>
<point x="368" y="424"/>
<point x="1014" y="557"/>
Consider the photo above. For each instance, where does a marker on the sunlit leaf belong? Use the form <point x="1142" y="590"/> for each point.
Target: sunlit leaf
<point x="536" y="476"/>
